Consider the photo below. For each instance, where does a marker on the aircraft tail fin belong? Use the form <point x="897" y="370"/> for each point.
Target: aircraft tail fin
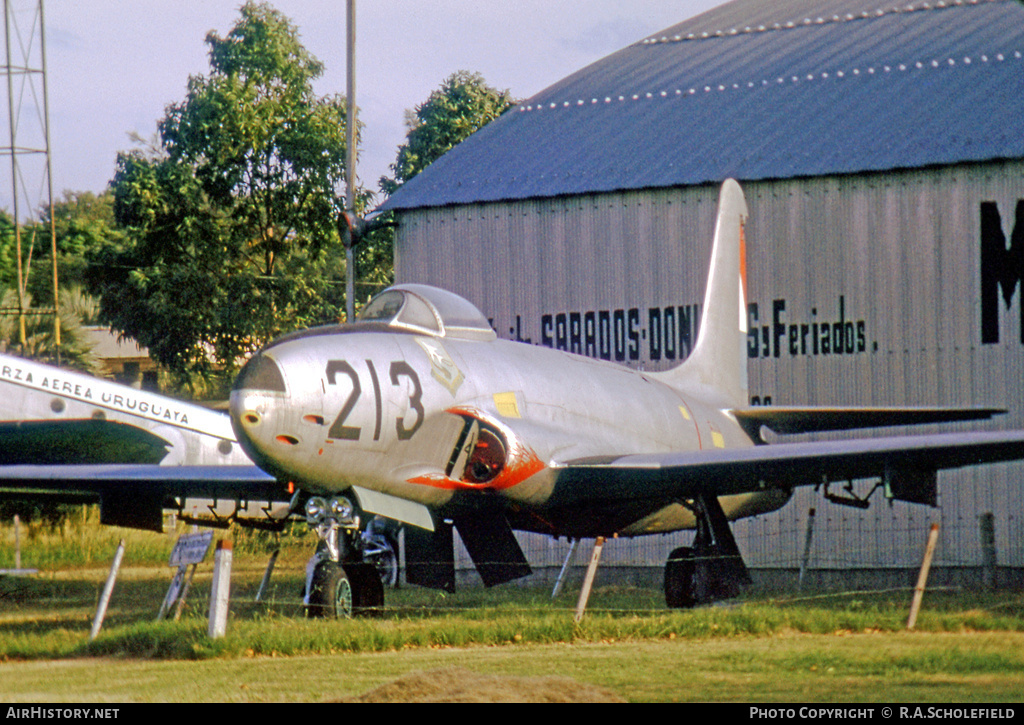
<point x="719" y="358"/>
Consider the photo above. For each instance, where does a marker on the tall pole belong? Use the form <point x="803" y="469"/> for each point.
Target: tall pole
<point x="350" y="165"/>
<point x="29" y="68"/>
<point x="22" y="338"/>
<point x="49" y="182"/>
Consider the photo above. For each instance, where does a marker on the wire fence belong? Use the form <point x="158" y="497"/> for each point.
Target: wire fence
<point x="981" y="542"/>
<point x="834" y="546"/>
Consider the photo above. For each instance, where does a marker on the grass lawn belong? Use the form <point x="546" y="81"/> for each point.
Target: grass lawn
<point x="838" y="647"/>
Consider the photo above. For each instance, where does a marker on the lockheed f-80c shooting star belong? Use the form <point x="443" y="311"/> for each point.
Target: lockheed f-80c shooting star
<point x="417" y="412"/>
<point x="426" y="417"/>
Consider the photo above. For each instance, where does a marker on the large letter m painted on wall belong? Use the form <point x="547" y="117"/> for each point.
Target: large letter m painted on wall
<point x="1001" y="268"/>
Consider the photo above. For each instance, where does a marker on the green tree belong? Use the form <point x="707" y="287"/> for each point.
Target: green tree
<point x="462" y="105"/>
<point x="82" y="221"/>
<point x="8" y="253"/>
<point x="231" y="219"/>
<point x="40" y="344"/>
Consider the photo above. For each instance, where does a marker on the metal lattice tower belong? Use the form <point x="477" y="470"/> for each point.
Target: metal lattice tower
<point x="28" y="145"/>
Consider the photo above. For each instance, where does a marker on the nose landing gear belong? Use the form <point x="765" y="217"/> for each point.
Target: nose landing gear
<point x="339" y="584"/>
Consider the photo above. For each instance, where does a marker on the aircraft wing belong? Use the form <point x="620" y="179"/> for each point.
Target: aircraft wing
<point x="59" y="442"/>
<point x="907" y="465"/>
<point x="796" y="419"/>
<point x="135" y="494"/>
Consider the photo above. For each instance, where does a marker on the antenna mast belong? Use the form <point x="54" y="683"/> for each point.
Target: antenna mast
<point x="28" y="116"/>
<point x="351" y="228"/>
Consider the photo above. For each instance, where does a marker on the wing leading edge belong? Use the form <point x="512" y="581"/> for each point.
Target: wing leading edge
<point x="907" y="465"/>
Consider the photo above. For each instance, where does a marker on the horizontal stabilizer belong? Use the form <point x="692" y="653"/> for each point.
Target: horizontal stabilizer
<point x="794" y="419"/>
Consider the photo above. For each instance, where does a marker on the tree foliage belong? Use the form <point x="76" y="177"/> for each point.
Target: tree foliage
<point x="8" y="253"/>
<point x="231" y="219"/>
<point x="462" y="105"/>
<point x="82" y="221"/>
<point x="40" y="343"/>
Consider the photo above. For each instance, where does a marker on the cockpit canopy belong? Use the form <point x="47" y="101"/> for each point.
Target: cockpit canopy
<point x="427" y="310"/>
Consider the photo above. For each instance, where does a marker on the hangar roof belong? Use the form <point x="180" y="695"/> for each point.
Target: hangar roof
<point x="758" y="89"/>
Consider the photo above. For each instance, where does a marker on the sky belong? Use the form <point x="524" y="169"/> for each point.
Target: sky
<point x="113" y="66"/>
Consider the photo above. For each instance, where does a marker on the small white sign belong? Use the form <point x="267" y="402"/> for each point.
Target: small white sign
<point x="191" y="549"/>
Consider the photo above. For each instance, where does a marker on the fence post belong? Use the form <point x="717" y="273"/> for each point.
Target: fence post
<point x="588" y="581"/>
<point x="17" y="542"/>
<point x="221" y="591"/>
<point x="108" y="589"/>
<point x="922" y="579"/>
<point x="270" y="570"/>
<point x="807" y="549"/>
<point x="564" y="570"/>
<point x="988" y="550"/>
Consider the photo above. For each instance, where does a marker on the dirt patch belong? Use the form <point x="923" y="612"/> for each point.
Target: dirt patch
<point x="454" y="684"/>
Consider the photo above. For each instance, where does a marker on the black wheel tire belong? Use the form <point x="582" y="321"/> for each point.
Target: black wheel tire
<point x="331" y="594"/>
<point x="679" y="571"/>
<point x="367" y="589"/>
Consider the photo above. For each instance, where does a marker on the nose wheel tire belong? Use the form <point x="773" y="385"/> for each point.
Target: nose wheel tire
<point x="330" y="592"/>
<point x="343" y="591"/>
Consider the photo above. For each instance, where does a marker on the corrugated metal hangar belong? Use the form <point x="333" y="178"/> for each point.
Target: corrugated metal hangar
<point x="881" y="149"/>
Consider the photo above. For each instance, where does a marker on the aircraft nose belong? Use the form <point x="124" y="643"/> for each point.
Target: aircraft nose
<point x="258" y="386"/>
<point x="260" y="373"/>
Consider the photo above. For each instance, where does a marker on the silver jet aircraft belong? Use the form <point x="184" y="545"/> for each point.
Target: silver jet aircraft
<point x="417" y="412"/>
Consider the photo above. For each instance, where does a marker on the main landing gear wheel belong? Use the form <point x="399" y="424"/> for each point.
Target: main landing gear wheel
<point x="713" y="568"/>
<point x="343" y="591"/>
<point x="679" y="571"/>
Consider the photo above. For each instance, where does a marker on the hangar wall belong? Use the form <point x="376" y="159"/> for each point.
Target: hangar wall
<point x="863" y="289"/>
